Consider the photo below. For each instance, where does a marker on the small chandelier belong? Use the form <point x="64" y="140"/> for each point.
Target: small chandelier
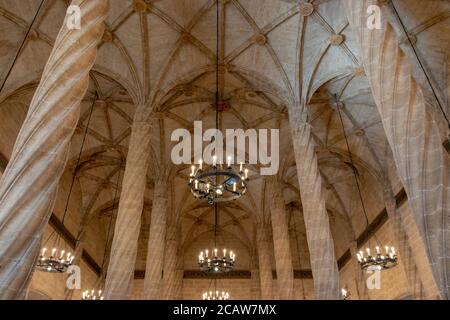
<point x="92" y="295"/>
<point x="215" y="263"/>
<point x="216" y="295"/>
<point x="56" y="261"/>
<point x="218" y="184"/>
<point x="379" y="261"/>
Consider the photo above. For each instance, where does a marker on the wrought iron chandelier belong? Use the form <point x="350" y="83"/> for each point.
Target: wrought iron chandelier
<point x="59" y="260"/>
<point x="92" y="295"/>
<point x="216" y="295"/>
<point x="378" y="261"/>
<point x="54" y="261"/>
<point x="369" y="262"/>
<point x="218" y="182"/>
<point x="216" y="261"/>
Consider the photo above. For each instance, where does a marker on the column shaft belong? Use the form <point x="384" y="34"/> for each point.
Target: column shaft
<point x="156" y="242"/>
<point x="120" y="276"/>
<point x="265" y="262"/>
<point x="413" y="134"/>
<point x="170" y="277"/>
<point x="255" y="286"/>
<point x="281" y="242"/>
<point x="320" y="241"/>
<point x="29" y="184"/>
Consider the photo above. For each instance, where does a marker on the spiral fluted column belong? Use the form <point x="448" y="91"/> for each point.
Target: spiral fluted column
<point x="156" y="241"/>
<point x="265" y="261"/>
<point x="412" y="132"/>
<point x="320" y="241"/>
<point x="281" y="242"/>
<point x="120" y="276"/>
<point x="29" y="184"/>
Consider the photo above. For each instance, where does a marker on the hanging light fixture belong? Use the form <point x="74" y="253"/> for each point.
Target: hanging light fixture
<point x="218" y="182"/>
<point x="379" y="260"/>
<point x="94" y="294"/>
<point x="213" y="262"/>
<point x="216" y="261"/>
<point x="54" y="260"/>
<point x="369" y="260"/>
<point x="58" y="260"/>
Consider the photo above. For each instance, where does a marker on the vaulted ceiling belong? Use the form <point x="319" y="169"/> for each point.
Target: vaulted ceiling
<point x="157" y="62"/>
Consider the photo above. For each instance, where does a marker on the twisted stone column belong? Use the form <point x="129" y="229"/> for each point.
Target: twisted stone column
<point x="171" y="260"/>
<point x="120" y="276"/>
<point x="156" y="241"/>
<point x="29" y="184"/>
<point x="281" y="242"/>
<point x="265" y="262"/>
<point x="413" y="134"/>
<point x="318" y="233"/>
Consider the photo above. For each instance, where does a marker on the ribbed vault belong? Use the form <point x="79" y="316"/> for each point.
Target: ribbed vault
<point x="157" y="63"/>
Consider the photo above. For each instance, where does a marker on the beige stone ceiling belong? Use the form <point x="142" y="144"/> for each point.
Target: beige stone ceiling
<point x="158" y="60"/>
